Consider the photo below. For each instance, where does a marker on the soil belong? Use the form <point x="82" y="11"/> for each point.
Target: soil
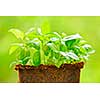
<point x="67" y="73"/>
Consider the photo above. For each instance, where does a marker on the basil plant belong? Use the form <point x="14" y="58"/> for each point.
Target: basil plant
<point x="51" y="48"/>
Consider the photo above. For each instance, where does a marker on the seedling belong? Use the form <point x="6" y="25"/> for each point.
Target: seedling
<point x="35" y="48"/>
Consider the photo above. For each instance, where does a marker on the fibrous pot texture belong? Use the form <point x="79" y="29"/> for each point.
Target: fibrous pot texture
<point x="67" y="73"/>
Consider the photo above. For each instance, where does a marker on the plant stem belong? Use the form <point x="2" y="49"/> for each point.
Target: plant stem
<point x="42" y="53"/>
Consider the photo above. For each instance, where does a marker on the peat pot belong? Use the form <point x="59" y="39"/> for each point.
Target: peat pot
<point x="67" y="73"/>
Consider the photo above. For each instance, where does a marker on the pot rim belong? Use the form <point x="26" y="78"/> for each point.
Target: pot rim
<point x="78" y="65"/>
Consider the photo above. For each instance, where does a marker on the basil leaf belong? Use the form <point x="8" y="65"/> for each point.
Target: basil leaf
<point x="72" y="40"/>
<point x="18" y="33"/>
<point x="72" y="37"/>
<point x="31" y="30"/>
<point x="52" y="46"/>
<point x="25" y="60"/>
<point x="24" y="55"/>
<point x="34" y="43"/>
<point x="46" y="50"/>
<point x="13" y="49"/>
<point x="72" y="55"/>
<point x="36" y="58"/>
<point x="88" y="48"/>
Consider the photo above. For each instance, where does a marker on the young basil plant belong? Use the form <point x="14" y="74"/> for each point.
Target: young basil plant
<point x="36" y="47"/>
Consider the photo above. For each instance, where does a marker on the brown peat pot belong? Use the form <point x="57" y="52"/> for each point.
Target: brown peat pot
<point x="67" y="73"/>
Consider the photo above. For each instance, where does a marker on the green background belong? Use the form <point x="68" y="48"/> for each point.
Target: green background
<point x="87" y="26"/>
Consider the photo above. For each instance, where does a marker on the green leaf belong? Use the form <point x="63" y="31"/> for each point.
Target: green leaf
<point x="46" y="50"/>
<point x="12" y="64"/>
<point x="82" y="50"/>
<point x="25" y="60"/>
<point x="18" y="33"/>
<point x="71" y="43"/>
<point x="53" y="35"/>
<point x="23" y="53"/>
<point x="64" y="57"/>
<point x="63" y="47"/>
<point x="24" y="56"/>
<point x="31" y="30"/>
<point x="85" y="57"/>
<point x="35" y="43"/>
<point x="72" y="55"/>
<point x="63" y="35"/>
<point x="79" y="50"/>
<point x="53" y="39"/>
<point x="56" y="55"/>
<point x="72" y="40"/>
<point x="72" y="37"/>
<point x="82" y="42"/>
<point x="18" y="44"/>
<point x="56" y="34"/>
<point x="39" y="31"/>
<point x="12" y="49"/>
<point x="63" y="53"/>
<point x="88" y="48"/>
<point x="52" y="46"/>
<point x="36" y="58"/>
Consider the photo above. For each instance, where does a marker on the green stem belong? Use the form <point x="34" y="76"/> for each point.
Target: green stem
<point x="42" y="53"/>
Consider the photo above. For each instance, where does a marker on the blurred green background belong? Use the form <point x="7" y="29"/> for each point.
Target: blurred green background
<point x="87" y="26"/>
